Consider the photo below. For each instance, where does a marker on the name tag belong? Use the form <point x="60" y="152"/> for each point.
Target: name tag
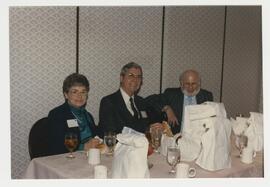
<point x="144" y="114"/>
<point x="72" y="123"/>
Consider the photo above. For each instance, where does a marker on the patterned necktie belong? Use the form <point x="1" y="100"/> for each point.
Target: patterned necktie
<point x="189" y="100"/>
<point x="133" y="108"/>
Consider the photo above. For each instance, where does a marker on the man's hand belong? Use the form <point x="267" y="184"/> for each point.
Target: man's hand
<point x="172" y="120"/>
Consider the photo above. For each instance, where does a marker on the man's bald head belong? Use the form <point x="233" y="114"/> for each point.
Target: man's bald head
<point x="190" y="82"/>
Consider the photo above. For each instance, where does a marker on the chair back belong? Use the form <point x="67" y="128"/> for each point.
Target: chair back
<point x="38" y="139"/>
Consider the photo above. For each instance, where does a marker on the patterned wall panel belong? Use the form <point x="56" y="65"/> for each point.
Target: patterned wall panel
<point x="113" y="36"/>
<point x="243" y="65"/>
<point x="42" y="54"/>
<point x="193" y="39"/>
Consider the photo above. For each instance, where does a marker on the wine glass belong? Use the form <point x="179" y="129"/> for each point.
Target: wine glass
<point x="156" y="134"/>
<point x="242" y="143"/>
<point x="110" y="141"/>
<point x="150" y="148"/>
<point x="173" y="157"/>
<point x="71" y="143"/>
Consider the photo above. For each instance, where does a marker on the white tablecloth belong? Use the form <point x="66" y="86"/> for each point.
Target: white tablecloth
<point x="58" y="166"/>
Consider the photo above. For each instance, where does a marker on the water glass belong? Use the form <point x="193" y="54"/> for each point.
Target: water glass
<point x="173" y="157"/>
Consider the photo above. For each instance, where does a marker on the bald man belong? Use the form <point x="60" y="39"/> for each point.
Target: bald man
<point x="174" y="100"/>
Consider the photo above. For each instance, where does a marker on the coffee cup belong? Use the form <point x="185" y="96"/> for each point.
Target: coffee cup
<point x="247" y="155"/>
<point x="100" y="172"/>
<point x="183" y="170"/>
<point x="94" y="156"/>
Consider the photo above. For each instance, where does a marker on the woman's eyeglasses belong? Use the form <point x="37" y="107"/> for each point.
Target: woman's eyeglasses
<point x="78" y="93"/>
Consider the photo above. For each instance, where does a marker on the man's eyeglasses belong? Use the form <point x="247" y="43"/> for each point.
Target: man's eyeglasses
<point x="77" y="93"/>
<point x="133" y="76"/>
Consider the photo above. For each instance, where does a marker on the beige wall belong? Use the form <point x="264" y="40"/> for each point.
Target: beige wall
<point x="43" y="53"/>
<point x="243" y="62"/>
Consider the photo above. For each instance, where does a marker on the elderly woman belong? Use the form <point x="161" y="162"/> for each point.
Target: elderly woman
<point x="72" y="117"/>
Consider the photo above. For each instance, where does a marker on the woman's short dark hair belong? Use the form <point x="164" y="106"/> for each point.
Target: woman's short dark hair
<point x="75" y="79"/>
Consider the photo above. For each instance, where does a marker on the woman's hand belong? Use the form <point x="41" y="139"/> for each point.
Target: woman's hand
<point x="92" y="143"/>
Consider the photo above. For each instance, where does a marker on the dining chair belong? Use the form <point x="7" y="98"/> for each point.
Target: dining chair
<point x="38" y="140"/>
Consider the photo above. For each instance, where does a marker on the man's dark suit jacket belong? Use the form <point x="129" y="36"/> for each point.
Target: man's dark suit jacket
<point x="174" y="97"/>
<point x="114" y="115"/>
<point x="57" y="123"/>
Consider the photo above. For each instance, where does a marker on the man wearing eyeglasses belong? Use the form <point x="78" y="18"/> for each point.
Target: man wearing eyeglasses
<point x="174" y="100"/>
<point x="125" y="108"/>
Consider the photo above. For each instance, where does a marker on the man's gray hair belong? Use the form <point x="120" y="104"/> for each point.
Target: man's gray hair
<point x="128" y="66"/>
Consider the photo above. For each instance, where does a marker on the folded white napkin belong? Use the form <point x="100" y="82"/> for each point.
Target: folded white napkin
<point x="131" y="140"/>
<point x="189" y="148"/>
<point x="200" y="111"/>
<point x="218" y="107"/>
<point x="215" y="153"/>
<point x="130" y="156"/>
<point x="206" y="136"/>
<point x="239" y="125"/>
<point x="254" y="131"/>
<point x="196" y="128"/>
<point x="127" y="130"/>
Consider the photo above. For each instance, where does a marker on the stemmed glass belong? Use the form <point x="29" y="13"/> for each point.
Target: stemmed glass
<point x="110" y="141"/>
<point x="150" y="149"/>
<point x="242" y="143"/>
<point x="71" y="143"/>
<point x="156" y="134"/>
<point x="173" y="157"/>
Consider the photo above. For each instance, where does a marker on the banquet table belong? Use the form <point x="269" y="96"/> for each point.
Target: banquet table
<point x="58" y="166"/>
